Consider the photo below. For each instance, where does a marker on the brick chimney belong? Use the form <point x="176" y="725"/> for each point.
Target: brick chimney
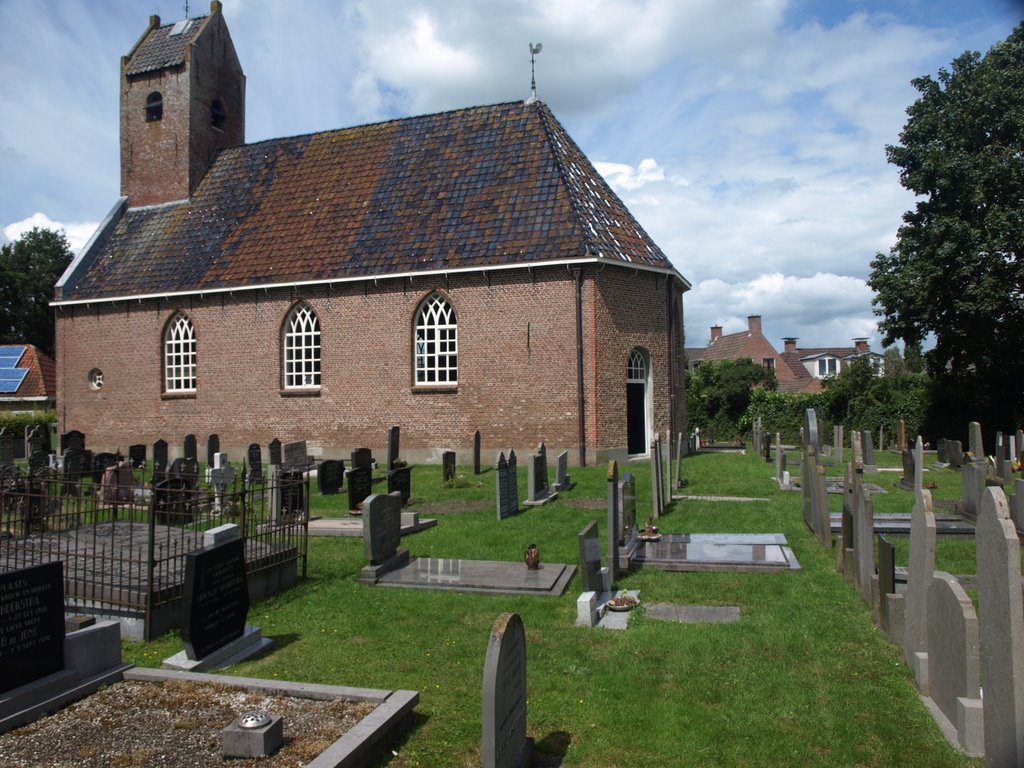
<point x="861" y="345"/>
<point x="789" y="344"/>
<point x="716" y="333"/>
<point x="754" y="324"/>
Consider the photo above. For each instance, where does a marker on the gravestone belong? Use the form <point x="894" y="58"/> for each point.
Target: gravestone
<point x="680" y="482"/>
<point x="254" y="460"/>
<point x="956" y="454"/>
<point x="542" y="465"/>
<point x="863" y="541"/>
<point x="886" y="577"/>
<point x="657" y="499"/>
<point x="295" y="455"/>
<point x="476" y="452"/>
<point x="907" y="480"/>
<point x="973" y="480"/>
<point x="505" y="744"/>
<point x="173" y="502"/>
<point x="627" y="508"/>
<point x="779" y="457"/>
<point x="186" y="469"/>
<point x="954" y="669"/>
<point x="74" y="466"/>
<point x="361" y="458"/>
<point x="614" y="522"/>
<point x="38" y="460"/>
<point x="942" y="451"/>
<point x="274" y="452"/>
<point x="222" y="476"/>
<point x="1018" y="445"/>
<point x="116" y="483"/>
<point x="537" y="490"/>
<point x="100" y="462"/>
<point x="837" y="441"/>
<point x="868" y="446"/>
<point x="189" y="449"/>
<point x="329" y="476"/>
<point x="137" y="455"/>
<point x="287" y="494"/>
<point x="400" y="482"/>
<point x="212" y="449"/>
<point x="507" y="485"/>
<point x="919" y="579"/>
<point x="590" y="559"/>
<point x="6" y="448"/>
<point x="811" y="431"/>
<point x="1017" y="504"/>
<point x="382" y="527"/>
<point x="359" y="481"/>
<point x="448" y="467"/>
<point x="72" y="440"/>
<point x="216" y="598"/>
<point x="32" y="629"/>
<point x="974" y="441"/>
<point x="1001" y="630"/>
<point x="38" y="439"/>
<point x="856" y="449"/>
<point x="394" y="437"/>
<point x="562" y="480"/>
<point x="160" y="461"/>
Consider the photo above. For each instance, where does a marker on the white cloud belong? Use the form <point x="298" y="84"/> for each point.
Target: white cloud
<point x="76" y="232"/>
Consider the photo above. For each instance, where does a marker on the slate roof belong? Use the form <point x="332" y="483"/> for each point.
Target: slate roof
<point x="41" y="379"/>
<point x="478" y="187"/>
<point x="159" y="49"/>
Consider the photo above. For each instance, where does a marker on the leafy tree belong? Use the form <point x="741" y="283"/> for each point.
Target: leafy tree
<point x="956" y="268"/>
<point x="718" y="393"/>
<point x="858" y="399"/>
<point x="29" y="268"/>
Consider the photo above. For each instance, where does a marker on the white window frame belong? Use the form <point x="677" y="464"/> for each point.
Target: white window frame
<point x="301" y="348"/>
<point x="827" y="366"/>
<point x="436" y="343"/>
<point x="636" y="367"/>
<point x="180" y="355"/>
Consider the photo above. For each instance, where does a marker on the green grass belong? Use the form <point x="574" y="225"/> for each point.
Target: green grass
<point x="804" y="679"/>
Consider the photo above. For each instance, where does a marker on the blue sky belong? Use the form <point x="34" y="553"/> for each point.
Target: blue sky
<point x="747" y="137"/>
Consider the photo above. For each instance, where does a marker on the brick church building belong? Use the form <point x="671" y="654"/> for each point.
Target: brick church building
<point x="468" y="270"/>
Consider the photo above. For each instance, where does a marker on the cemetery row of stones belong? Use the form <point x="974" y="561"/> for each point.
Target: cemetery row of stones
<point x="948" y="644"/>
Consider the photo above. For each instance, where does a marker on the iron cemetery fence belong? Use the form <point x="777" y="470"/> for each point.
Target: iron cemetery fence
<point x="124" y="547"/>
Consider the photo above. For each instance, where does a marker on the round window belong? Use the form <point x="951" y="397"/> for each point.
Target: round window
<point x="96" y="378"/>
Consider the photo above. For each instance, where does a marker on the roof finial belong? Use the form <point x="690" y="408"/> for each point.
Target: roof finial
<point x="186" y="9"/>
<point x="534" y="50"/>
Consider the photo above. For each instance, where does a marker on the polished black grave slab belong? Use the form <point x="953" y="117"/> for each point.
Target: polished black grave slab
<point x="479" y="576"/>
<point x="718" y="552"/>
<point x="897" y="522"/>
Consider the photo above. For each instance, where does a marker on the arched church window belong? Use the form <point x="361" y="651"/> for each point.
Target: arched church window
<point x="218" y="117"/>
<point x="301" y="347"/>
<point x="436" y="344"/>
<point x="179" y="355"/>
<point x="154" y="107"/>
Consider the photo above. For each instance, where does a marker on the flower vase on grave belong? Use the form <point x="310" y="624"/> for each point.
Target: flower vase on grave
<point x="532" y="557"/>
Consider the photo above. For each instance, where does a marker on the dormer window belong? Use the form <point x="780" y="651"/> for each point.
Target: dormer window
<point x="154" y="107"/>
<point x="218" y="117"/>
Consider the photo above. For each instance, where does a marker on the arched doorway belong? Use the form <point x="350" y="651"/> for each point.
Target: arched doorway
<point x="637" y="398"/>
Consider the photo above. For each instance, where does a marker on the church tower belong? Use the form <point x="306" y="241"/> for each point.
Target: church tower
<point x="182" y="100"/>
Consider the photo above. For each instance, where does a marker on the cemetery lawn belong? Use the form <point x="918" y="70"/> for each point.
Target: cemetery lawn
<point x="803" y="679"/>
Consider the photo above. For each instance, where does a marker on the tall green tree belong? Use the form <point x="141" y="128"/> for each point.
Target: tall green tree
<point x="718" y="393"/>
<point x="29" y="268"/>
<point x="956" y="271"/>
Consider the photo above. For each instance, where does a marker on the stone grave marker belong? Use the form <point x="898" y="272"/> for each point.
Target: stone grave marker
<point x="837" y="441"/>
<point x="614" y="522"/>
<point x="562" y="480"/>
<point x="657" y="501"/>
<point x="901" y="435"/>
<point x="32" y="629"/>
<point x="537" y="490"/>
<point x="400" y="482"/>
<point x="394" y="437"/>
<point x="907" y="480"/>
<point x="856" y="449"/>
<point x="974" y="441"/>
<point x="627" y="508"/>
<point x="189" y="448"/>
<point x="172" y="502"/>
<point x="222" y="477"/>
<point x="1017" y="504"/>
<point x="212" y="449"/>
<point x="295" y="455"/>
<point x="1018" y="445"/>
<point x="956" y="454"/>
<point x="954" y="670"/>
<point x="382" y="527"/>
<point x="973" y="480"/>
<point x="137" y="455"/>
<point x="361" y="458"/>
<point x="886" y="577"/>
<point x="942" y="451"/>
<point x="542" y="452"/>
<point x="680" y="483"/>
<point x="590" y="559"/>
<point x="216" y="598"/>
<point x="863" y="541"/>
<point x="476" y="452"/>
<point x="505" y="744"/>
<point x="869" y="451"/>
<point x="161" y="463"/>
<point x="6" y="448"/>
<point x="1001" y="630"/>
<point x="448" y="467"/>
<point x="779" y="456"/>
<point x="38" y="439"/>
<point x="254" y="461"/>
<point x="507" y="485"/>
<point x="116" y="484"/>
<point x="186" y="469"/>
<point x="919" y="579"/>
<point x="38" y="460"/>
<point x="359" y="481"/>
<point x="74" y="467"/>
<point x="100" y="462"/>
<point x="274" y="452"/>
<point x="811" y="431"/>
<point x="72" y="440"/>
<point x="330" y="476"/>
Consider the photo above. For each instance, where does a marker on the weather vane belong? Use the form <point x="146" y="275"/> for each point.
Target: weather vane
<point x="534" y="50"/>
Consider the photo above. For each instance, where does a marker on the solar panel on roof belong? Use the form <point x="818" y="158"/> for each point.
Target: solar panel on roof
<point x="10" y="379"/>
<point x="9" y="356"/>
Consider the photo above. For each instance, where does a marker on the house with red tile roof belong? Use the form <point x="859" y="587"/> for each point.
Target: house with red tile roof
<point x="28" y="379"/>
<point x="448" y="273"/>
<point x="796" y="369"/>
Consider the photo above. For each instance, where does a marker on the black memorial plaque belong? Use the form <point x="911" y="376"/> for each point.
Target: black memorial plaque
<point x="400" y="481"/>
<point x="274" y="448"/>
<point x="330" y="474"/>
<point x="360" y="485"/>
<point x="216" y="598"/>
<point x="31" y="624"/>
<point x="137" y="455"/>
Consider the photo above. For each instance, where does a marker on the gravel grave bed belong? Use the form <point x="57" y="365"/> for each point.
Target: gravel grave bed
<point x="176" y="724"/>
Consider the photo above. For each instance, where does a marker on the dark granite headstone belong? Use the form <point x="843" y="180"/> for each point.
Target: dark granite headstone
<point x="361" y="458"/>
<point x="6" y="448"/>
<point x="274" y="449"/>
<point x="400" y="481"/>
<point x="868" y="446"/>
<point x="448" y="467"/>
<point x="137" y="455"/>
<point x="254" y="460"/>
<point x="212" y="449"/>
<point x="907" y="481"/>
<point x="507" y="491"/>
<point x="956" y="453"/>
<point x="359" y="481"/>
<point x="393" y="442"/>
<point x="291" y="494"/>
<point x="590" y="558"/>
<point x="476" y="452"/>
<point x="627" y="506"/>
<point x="186" y="469"/>
<point x="38" y="439"/>
<point x="886" y="575"/>
<point x="505" y="744"/>
<point x="72" y="440"/>
<point x="216" y="598"/>
<point x="38" y="460"/>
<point x="31" y="624"/>
<point x="382" y="527"/>
<point x="295" y="454"/>
<point x="190" y="449"/>
<point x="173" y="501"/>
<point x="161" y="464"/>
<point x="100" y="462"/>
<point x="329" y="476"/>
<point x="614" y="536"/>
<point x="942" y="451"/>
<point x="74" y="464"/>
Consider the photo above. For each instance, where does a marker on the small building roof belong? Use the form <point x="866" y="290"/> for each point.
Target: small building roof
<point x="34" y="374"/>
<point x="499" y="185"/>
<point x="163" y="46"/>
